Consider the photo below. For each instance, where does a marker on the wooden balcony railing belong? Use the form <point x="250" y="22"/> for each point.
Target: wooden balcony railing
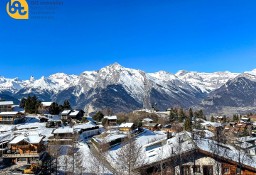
<point x="20" y="155"/>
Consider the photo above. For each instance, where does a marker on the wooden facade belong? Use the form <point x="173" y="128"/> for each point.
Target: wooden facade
<point x="202" y="162"/>
<point x="11" y="117"/>
<point x="24" y="152"/>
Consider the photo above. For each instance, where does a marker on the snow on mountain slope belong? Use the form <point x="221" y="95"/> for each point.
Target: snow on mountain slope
<point x="131" y="79"/>
<point x="54" y="83"/>
<point x="206" y="82"/>
<point x="12" y="85"/>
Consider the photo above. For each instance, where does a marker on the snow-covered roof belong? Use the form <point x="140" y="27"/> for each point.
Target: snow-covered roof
<point x="207" y="123"/>
<point x="74" y="113"/>
<point x="65" y="112"/>
<point x="110" y="137"/>
<point x="246" y="139"/>
<point x="6" y="102"/>
<point x="147" y="120"/>
<point x="32" y="139"/>
<point x="46" y="104"/>
<point x="84" y="126"/>
<point x="5" y="128"/>
<point x="126" y="125"/>
<point x="6" y="137"/>
<point x="63" y="130"/>
<point x="9" y="113"/>
<point x="111" y="117"/>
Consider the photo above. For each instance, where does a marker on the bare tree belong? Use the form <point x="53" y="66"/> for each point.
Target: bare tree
<point x="130" y="157"/>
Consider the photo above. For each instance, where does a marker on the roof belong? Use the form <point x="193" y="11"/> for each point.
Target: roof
<point x="46" y="104"/>
<point x="111" y="117"/>
<point x="74" y="113"/>
<point x="32" y="139"/>
<point x="126" y="125"/>
<point x="9" y="113"/>
<point x="147" y="120"/>
<point x="63" y="130"/>
<point x="6" y="102"/>
<point x="65" y="112"/>
<point x="85" y="126"/>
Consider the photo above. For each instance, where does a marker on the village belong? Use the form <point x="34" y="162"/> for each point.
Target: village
<point x="145" y="141"/>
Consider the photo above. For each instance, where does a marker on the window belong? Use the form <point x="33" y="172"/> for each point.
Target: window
<point x="226" y="170"/>
<point x="185" y="170"/>
<point x="196" y="169"/>
<point x="238" y="170"/>
<point x="207" y="170"/>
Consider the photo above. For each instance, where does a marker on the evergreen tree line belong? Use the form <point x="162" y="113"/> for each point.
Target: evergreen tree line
<point x="180" y="115"/>
<point x="31" y="104"/>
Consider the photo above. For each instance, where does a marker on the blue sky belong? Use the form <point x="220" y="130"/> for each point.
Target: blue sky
<point x="152" y="35"/>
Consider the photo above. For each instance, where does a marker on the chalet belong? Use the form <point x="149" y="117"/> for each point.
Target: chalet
<point x="65" y="115"/>
<point x="76" y="114"/>
<point x="212" y="126"/>
<point x="44" y="107"/>
<point x="185" y="156"/>
<point x="11" y="117"/>
<point x="69" y="115"/>
<point x="107" y="140"/>
<point x="24" y="149"/>
<point x="245" y="120"/>
<point x="63" y="135"/>
<point x="6" y="106"/>
<point x="111" y="120"/>
<point x="126" y="127"/>
<point x="87" y="130"/>
<point x="167" y="128"/>
<point x="152" y="126"/>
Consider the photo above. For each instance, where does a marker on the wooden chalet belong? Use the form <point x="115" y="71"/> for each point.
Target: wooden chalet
<point x="11" y="117"/>
<point x="6" y="106"/>
<point x="24" y="149"/>
<point x="126" y="127"/>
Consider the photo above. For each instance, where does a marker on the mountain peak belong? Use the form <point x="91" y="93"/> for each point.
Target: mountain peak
<point x="181" y="72"/>
<point x="115" y="65"/>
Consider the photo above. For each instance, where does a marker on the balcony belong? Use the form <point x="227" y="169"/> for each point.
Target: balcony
<point x="20" y="155"/>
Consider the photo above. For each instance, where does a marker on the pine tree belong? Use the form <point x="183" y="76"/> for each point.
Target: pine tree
<point x="212" y="119"/>
<point x="98" y="116"/>
<point x="66" y="105"/>
<point x="54" y="109"/>
<point x="32" y="104"/>
<point x="181" y="115"/>
<point x="188" y="124"/>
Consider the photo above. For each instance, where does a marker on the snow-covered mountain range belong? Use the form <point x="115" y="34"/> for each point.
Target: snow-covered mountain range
<point x="125" y="89"/>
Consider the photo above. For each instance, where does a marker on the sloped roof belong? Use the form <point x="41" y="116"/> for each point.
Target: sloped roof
<point x="32" y="139"/>
<point x="114" y="117"/>
<point x="126" y="125"/>
<point x="46" y="104"/>
<point x="10" y="113"/>
<point x="65" y="112"/>
<point x="63" y="130"/>
<point x="74" y="113"/>
<point x="6" y="102"/>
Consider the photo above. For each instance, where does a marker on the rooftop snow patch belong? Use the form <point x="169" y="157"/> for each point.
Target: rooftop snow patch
<point x="111" y="117"/>
<point x="63" y="130"/>
<point x="126" y="125"/>
<point x="46" y="104"/>
<point x="65" y="112"/>
<point x="6" y="102"/>
<point x="32" y="139"/>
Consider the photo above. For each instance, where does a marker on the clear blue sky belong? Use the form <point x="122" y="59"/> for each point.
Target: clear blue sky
<point x="152" y="35"/>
